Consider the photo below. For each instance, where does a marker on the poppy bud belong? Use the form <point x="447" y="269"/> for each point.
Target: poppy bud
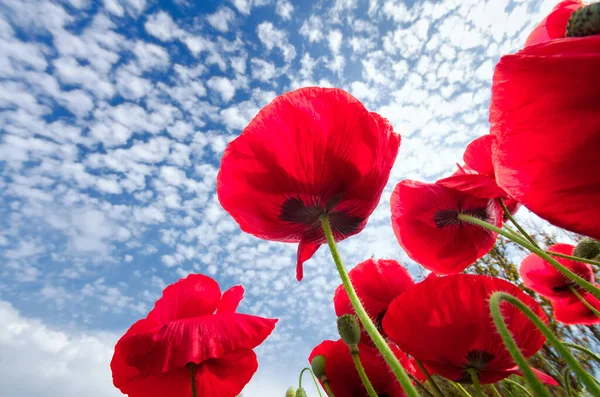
<point x="587" y="248"/>
<point x="349" y="330"/>
<point x="584" y="21"/>
<point x="300" y="392"/>
<point x="290" y="392"/>
<point x="318" y="367"/>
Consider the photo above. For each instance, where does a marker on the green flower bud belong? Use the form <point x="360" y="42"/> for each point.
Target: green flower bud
<point x="587" y="248"/>
<point x="300" y="392"/>
<point x="318" y="366"/>
<point x="585" y="21"/>
<point x="349" y="329"/>
<point x="290" y="392"/>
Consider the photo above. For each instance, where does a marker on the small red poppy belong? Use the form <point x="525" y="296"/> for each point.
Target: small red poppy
<point x="544" y="121"/>
<point x="544" y="279"/>
<point x="152" y="359"/>
<point x="424" y="218"/>
<point x="555" y="24"/>
<point x="309" y="152"/>
<point x="573" y="311"/>
<point x="343" y="377"/>
<point x="445" y="323"/>
<point x="377" y="284"/>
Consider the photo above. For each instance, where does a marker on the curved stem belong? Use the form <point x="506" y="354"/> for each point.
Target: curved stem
<point x="584" y="350"/>
<point x="574" y="258"/>
<point x="366" y="321"/>
<point x="520" y="386"/>
<point x="586" y="303"/>
<point x="496" y="392"/>
<point x="328" y="389"/>
<point x="566" y="373"/>
<point x="363" y="375"/>
<point x="475" y="380"/>
<point x="548" y="364"/>
<point x="313" y="377"/>
<point x="509" y="216"/>
<point x="436" y="390"/>
<point x="460" y="388"/>
<point x="532" y="380"/>
<point x="193" y="378"/>
<point x="416" y="382"/>
<point x="541" y="253"/>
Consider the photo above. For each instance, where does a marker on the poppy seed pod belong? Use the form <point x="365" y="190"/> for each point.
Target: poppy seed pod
<point x="584" y="21"/>
<point x="587" y="248"/>
<point x="349" y="330"/>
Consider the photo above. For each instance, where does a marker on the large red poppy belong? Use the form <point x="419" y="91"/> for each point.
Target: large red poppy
<point x="544" y="279"/>
<point x="343" y="377"/>
<point x="424" y="218"/>
<point x="377" y="283"/>
<point x="445" y="323"/>
<point x="544" y="120"/>
<point x="309" y="152"/>
<point x="573" y="311"/>
<point x="152" y="359"/>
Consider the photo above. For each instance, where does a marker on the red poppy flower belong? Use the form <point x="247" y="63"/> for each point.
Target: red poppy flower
<point x="544" y="120"/>
<point x="152" y="359"/>
<point x="424" y="218"/>
<point x="309" y="152"/>
<point x="377" y="283"/>
<point x="574" y="311"/>
<point x="544" y="279"/>
<point x="445" y="323"/>
<point x="343" y="377"/>
<point x="555" y="24"/>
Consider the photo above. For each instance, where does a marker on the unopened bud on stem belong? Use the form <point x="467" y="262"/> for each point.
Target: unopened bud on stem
<point x="300" y="392"/>
<point x="291" y="392"/>
<point x="587" y="248"/>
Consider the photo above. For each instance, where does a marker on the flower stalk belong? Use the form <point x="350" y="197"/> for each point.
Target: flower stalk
<point x="436" y="390"/>
<point x="475" y="380"/>
<point x="363" y="375"/>
<point x="193" y="378"/>
<point x="364" y="318"/>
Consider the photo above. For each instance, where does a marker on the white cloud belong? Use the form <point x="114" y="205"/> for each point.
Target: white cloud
<point x="221" y="19"/>
<point x="162" y="26"/>
<point x="312" y="29"/>
<point x="335" y="40"/>
<point x="272" y="37"/>
<point x="284" y="9"/>
<point x="223" y="86"/>
<point x="263" y="70"/>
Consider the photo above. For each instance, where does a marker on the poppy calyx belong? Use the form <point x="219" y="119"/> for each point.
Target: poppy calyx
<point x="584" y="21"/>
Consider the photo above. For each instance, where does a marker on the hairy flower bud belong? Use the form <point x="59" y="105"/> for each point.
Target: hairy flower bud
<point x="300" y="392"/>
<point x="349" y="330"/>
<point x="587" y="248"/>
<point x="318" y="366"/>
<point x="291" y="392"/>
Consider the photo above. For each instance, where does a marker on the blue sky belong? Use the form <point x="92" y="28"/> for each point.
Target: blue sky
<point x="114" y="115"/>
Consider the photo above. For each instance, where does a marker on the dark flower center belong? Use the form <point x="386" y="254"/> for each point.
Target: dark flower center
<point x="478" y="360"/>
<point x="379" y="322"/>
<point x="585" y="21"/>
<point x="294" y="210"/>
<point x="445" y="218"/>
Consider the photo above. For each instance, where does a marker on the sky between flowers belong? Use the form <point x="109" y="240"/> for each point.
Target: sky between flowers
<point x="114" y="116"/>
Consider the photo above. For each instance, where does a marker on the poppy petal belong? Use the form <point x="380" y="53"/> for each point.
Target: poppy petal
<point x="475" y="184"/>
<point x="195" y="295"/>
<point x="377" y="283"/>
<point x="478" y="155"/>
<point x="322" y="349"/>
<point x="305" y="252"/>
<point x="573" y="311"/>
<point x="231" y="299"/>
<point x="177" y="343"/>
<point x="542" y="376"/>
<point x="424" y="218"/>
<point x="554" y="26"/>
<point x="544" y="119"/>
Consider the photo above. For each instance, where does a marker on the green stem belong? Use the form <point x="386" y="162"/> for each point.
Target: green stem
<point x="313" y="377"/>
<point x="542" y="254"/>
<point x="566" y="373"/>
<point x="574" y="258"/>
<point x="366" y="321"/>
<point x="436" y="390"/>
<point x="586" y="303"/>
<point x="509" y="216"/>
<point x="475" y="380"/>
<point x="548" y="364"/>
<point x="460" y="388"/>
<point x="363" y="375"/>
<point x="496" y="392"/>
<point x="328" y="389"/>
<point x="512" y="347"/>
<point x="193" y="378"/>
<point x="520" y="386"/>
<point x="584" y="350"/>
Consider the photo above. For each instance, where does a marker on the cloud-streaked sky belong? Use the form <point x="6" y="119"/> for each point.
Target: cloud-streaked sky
<point x="114" y="115"/>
